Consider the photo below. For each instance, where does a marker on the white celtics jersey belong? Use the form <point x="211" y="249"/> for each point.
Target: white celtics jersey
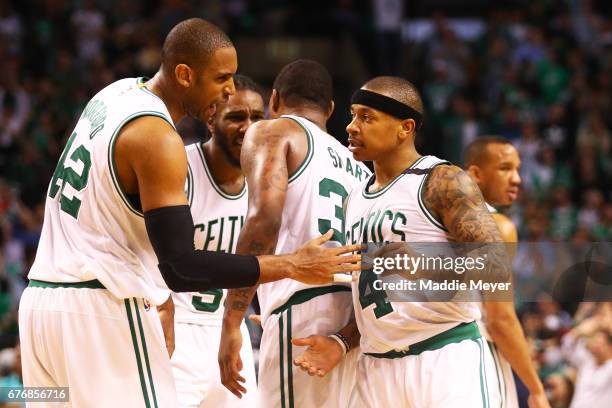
<point x="393" y="214"/>
<point x="218" y="218"/>
<point x="91" y="229"/>
<point x="315" y="196"/>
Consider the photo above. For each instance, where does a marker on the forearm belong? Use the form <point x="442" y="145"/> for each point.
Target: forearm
<point x="508" y="336"/>
<point x="185" y="269"/>
<point x="254" y="240"/>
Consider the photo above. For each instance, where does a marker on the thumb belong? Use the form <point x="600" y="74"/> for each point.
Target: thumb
<point x="322" y="239"/>
<point x="255" y="318"/>
<point x="306" y="341"/>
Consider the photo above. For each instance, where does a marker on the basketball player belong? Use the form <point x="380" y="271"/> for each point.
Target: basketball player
<point x="298" y="177"/>
<point x="414" y="354"/>
<point x="118" y="234"/>
<point x="493" y="163"/>
<point x="218" y="194"/>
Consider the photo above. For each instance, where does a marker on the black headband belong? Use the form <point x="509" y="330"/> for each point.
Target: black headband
<point x="388" y="105"/>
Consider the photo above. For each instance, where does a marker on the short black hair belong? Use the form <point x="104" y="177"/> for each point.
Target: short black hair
<point x="244" y="83"/>
<point x="305" y="82"/>
<point x="476" y="152"/>
<point x="397" y="88"/>
<point x="192" y="42"/>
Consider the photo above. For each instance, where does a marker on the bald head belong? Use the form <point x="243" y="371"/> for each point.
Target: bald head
<point x="192" y="42"/>
<point x="396" y="88"/>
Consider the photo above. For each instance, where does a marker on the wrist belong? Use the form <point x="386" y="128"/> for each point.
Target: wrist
<point x="273" y="268"/>
<point x="342" y="341"/>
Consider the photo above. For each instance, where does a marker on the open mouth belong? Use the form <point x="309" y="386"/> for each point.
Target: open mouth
<point x="212" y="109"/>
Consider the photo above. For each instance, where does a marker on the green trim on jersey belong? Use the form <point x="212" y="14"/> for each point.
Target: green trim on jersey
<point x="91" y="284"/>
<point x="212" y="181"/>
<point x="289" y="359"/>
<point x="111" y="154"/>
<point x="190" y="188"/>
<point x="422" y="205"/>
<point x="464" y="331"/>
<point x="305" y="295"/>
<point x="380" y="192"/>
<point x="309" y="155"/>
<point x="282" y="365"/>
<point x="140" y="82"/>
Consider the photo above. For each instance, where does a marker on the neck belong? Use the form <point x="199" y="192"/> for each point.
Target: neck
<point x="394" y="164"/>
<point x="315" y="116"/>
<point x="223" y="172"/>
<point x="160" y="87"/>
<point x="601" y="360"/>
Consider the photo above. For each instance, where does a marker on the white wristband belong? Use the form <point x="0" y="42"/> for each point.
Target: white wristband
<point x="340" y="342"/>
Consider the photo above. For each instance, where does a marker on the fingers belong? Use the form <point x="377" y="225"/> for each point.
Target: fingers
<point x="322" y="239"/>
<point x="306" y="341"/>
<point x="308" y="368"/>
<point x="255" y="318"/>
<point x="230" y="376"/>
<point x="348" y="267"/>
<point x="347" y="248"/>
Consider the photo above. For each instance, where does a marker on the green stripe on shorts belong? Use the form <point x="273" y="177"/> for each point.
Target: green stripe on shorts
<point x="143" y="383"/>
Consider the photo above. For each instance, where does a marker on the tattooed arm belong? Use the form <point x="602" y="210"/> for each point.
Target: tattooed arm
<point x="263" y="160"/>
<point x="455" y="199"/>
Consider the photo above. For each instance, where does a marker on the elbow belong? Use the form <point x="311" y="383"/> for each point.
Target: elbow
<point x="498" y="323"/>
<point x="264" y="220"/>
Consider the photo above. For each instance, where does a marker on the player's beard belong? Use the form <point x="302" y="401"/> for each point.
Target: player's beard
<point x="222" y="140"/>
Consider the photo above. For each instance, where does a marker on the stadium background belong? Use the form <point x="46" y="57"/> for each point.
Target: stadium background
<point x="536" y="72"/>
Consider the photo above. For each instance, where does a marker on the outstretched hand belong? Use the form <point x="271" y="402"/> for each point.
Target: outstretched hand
<point x="321" y="356"/>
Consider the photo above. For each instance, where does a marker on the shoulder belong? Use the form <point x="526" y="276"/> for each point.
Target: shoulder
<point x="450" y="181"/>
<point x="281" y="128"/>
<point x="150" y="137"/>
<point x="506" y="227"/>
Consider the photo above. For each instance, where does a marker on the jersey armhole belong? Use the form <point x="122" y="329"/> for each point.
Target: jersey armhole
<point x="112" y="165"/>
<point x="294" y="175"/>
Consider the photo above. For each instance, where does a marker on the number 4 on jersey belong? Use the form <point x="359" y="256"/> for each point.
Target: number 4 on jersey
<point x="63" y="175"/>
<point x="368" y="295"/>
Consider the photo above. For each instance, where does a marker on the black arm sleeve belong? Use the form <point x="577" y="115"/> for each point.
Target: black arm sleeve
<point x="186" y="269"/>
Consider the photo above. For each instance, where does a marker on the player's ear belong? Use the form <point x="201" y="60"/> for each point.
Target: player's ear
<point x="274" y="101"/>
<point x="332" y="106"/>
<point x="408" y="127"/>
<point x="184" y="75"/>
<point x="475" y="173"/>
<point x="209" y="124"/>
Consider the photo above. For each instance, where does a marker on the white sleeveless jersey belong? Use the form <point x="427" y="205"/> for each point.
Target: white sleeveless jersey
<point x="91" y="230"/>
<point x="397" y="213"/>
<point x="314" y="202"/>
<point x="218" y="218"/>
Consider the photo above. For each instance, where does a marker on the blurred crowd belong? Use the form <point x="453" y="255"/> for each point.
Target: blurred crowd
<point x="539" y="74"/>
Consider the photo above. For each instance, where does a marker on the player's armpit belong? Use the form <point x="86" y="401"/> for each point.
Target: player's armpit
<point x="151" y="160"/>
